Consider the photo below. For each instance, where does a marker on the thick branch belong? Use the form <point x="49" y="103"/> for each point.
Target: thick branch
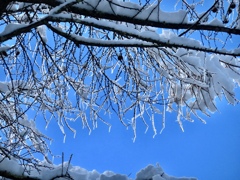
<point x="18" y="31"/>
<point x="120" y="16"/>
<point x="141" y="41"/>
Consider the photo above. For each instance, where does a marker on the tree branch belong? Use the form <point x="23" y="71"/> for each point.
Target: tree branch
<point x="140" y="41"/>
<point x="83" y="9"/>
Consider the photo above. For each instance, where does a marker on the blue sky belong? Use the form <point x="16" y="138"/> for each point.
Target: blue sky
<point x="207" y="152"/>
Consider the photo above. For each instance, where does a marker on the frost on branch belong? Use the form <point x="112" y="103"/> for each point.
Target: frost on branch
<point x="86" y="60"/>
<point x="20" y="139"/>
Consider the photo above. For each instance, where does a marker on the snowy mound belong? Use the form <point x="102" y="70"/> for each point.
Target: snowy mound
<point x="11" y="169"/>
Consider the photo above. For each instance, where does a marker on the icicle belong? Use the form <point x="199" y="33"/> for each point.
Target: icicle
<point x="90" y="131"/>
<point x="163" y="115"/>
<point x="74" y="134"/>
<point x="179" y="118"/>
<point x="153" y="126"/>
<point x="146" y="129"/>
<point x="60" y="124"/>
<point x="64" y="138"/>
<point x="134" y="128"/>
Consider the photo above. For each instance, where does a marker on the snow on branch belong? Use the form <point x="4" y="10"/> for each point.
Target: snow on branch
<point x="147" y="15"/>
<point x="142" y="38"/>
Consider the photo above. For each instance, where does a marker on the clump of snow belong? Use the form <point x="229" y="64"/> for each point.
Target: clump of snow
<point x="58" y="8"/>
<point x="3" y="86"/>
<point x="12" y="7"/>
<point x="11" y="28"/>
<point x="170" y="37"/>
<point x="4" y="48"/>
<point x="149" y="172"/>
<point x="10" y="165"/>
<point x="132" y="9"/>
<point x="216" y="22"/>
<point x="42" y="32"/>
<point x="50" y="171"/>
<point x="157" y="173"/>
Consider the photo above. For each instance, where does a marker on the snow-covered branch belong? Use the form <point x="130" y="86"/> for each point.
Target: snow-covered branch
<point x="141" y="38"/>
<point x="145" y="15"/>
